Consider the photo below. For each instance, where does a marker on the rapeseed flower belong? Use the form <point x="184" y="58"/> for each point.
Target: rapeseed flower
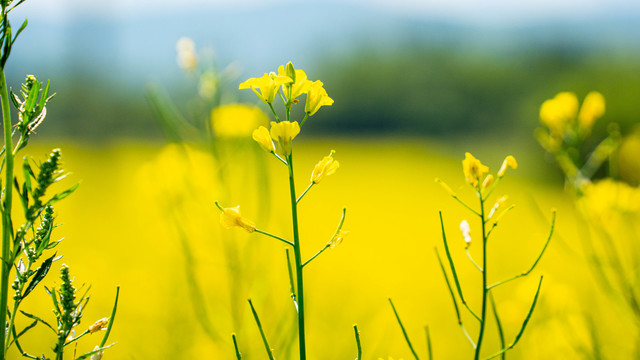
<point x="231" y="217"/>
<point x="473" y="169"/>
<point x="558" y="112"/>
<point x="316" y="97"/>
<point x="236" y="120"/>
<point x="327" y="166"/>
<point x="592" y="108"/>
<point x="284" y="132"/>
<point x="261" y="136"/>
<point x="268" y="85"/>
<point x="509" y="161"/>
<point x="300" y="84"/>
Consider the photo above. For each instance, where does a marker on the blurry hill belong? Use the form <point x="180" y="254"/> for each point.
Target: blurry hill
<point x="387" y="71"/>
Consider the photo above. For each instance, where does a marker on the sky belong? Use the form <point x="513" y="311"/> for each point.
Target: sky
<point x="488" y="12"/>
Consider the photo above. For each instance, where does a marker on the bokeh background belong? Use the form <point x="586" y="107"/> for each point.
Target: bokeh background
<point x="415" y="84"/>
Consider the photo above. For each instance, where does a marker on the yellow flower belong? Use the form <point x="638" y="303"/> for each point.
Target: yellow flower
<point x="337" y="239"/>
<point x="261" y="136"/>
<point x="473" y="169"/>
<point x="558" y="112"/>
<point x="284" y="132"/>
<point x="509" y="161"/>
<point x="327" y="166"/>
<point x="592" y="108"/>
<point x="487" y="181"/>
<point x="268" y="85"/>
<point x="300" y="84"/>
<point x="230" y="217"/>
<point x="236" y="120"/>
<point x="316" y="97"/>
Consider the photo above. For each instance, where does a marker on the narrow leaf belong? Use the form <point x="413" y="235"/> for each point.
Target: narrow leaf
<point x="41" y="272"/>
<point x="404" y="332"/>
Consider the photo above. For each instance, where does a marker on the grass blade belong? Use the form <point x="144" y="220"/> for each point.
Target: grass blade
<point x="404" y="332"/>
<point x="359" y="346"/>
<point x="235" y="345"/>
<point x="264" y="338"/>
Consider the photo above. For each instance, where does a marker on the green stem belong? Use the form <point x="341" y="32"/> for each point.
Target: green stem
<point x="305" y="192"/>
<point x="483" y="315"/>
<point x="273" y="236"/>
<point x="306" y="116"/>
<point x="358" y="345"/>
<point x="6" y="219"/>
<point x="298" y="260"/>
<point x="316" y="255"/>
<point x="274" y="112"/>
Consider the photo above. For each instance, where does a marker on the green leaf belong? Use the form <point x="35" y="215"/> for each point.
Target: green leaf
<point x="39" y="275"/>
<point x="22" y="27"/>
<point x="404" y="332"/>
<point x="111" y="318"/>
<point x="33" y="317"/>
<point x="93" y="352"/>
<point x="59" y="196"/>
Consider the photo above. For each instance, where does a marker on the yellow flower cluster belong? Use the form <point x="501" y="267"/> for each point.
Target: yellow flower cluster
<point x="561" y="114"/>
<point x="474" y="170"/>
<point x="607" y="200"/>
<point x="294" y="82"/>
<point x="266" y="87"/>
<point x="282" y="133"/>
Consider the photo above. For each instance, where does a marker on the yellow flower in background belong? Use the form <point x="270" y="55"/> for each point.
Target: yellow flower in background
<point x="236" y="120"/>
<point x="509" y="161"/>
<point x="607" y="200"/>
<point x="473" y="169"/>
<point x="300" y="83"/>
<point x="592" y="109"/>
<point x="261" y="136"/>
<point x="558" y="112"/>
<point x="268" y="85"/>
<point x="316" y="97"/>
<point x="230" y="218"/>
<point x="284" y="132"/>
<point x="327" y="166"/>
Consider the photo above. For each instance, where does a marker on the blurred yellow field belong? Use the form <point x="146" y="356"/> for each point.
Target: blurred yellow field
<point x="120" y="229"/>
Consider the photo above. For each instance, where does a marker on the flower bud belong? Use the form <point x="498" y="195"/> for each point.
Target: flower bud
<point x="466" y="231"/>
<point x="99" y="325"/>
<point x="509" y="161"/>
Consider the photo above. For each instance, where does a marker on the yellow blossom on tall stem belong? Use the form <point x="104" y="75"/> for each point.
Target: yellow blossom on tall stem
<point x="263" y="138"/>
<point x="509" y="161"/>
<point x="231" y="217"/>
<point x="316" y="97"/>
<point x="327" y="166"/>
<point x="284" y="132"/>
<point x="473" y="169"/>
<point x="300" y="84"/>
<point x="268" y="85"/>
